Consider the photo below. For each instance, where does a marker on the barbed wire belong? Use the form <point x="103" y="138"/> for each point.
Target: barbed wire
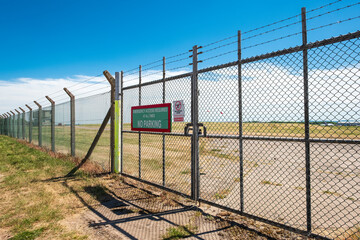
<point x="268" y="25"/>
<point x="333" y="23"/>
<point x="175" y="68"/>
<point x="272" y="30"/>
<point x="87" y="86"/>
<point x="148" y="64"/>
<point x="178" y="60"/>
<point x="224" y="39"/>
<point x="272" y="40"/>
<point x="221" y="46"/>
<point x="219" y="55"/>
<point x="332" y="11"/>
<point x="93" y="91"/>
<point x="177" y="55"/>
<point x="326" y="5"/>
<point x="146" y="69"/>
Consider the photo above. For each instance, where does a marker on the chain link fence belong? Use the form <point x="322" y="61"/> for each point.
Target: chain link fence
<point x="282" y="143"/>
<point x="275" y="136"/>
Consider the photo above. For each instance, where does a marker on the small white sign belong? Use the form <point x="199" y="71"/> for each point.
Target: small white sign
<point x="178" y="111"/>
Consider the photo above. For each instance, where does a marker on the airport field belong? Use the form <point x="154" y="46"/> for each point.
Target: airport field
<point x="274" y="171"/>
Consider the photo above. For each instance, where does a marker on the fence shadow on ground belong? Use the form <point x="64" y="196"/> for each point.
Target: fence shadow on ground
<point x="133" y="212"/>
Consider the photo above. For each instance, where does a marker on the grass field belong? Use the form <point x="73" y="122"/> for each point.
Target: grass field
<point x="32" y="200"/>
<point x="84" y="136"/>
<point x="268" y="167"/>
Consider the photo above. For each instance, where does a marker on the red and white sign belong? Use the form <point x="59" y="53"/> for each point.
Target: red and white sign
<point x="178" y="111"/>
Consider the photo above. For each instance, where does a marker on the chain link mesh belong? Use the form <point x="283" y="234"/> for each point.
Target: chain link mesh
<point x="62" y="128"/>
<point x="270" y="155"/>
<point x="89" y="114"/>
<point x="334" y="90"/>
<point x="46" y="127"/>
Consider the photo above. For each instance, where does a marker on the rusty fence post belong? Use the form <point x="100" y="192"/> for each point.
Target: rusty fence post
<point x="111" y="80"/>
<point x="39" y="123"/>
<point x="30" y="123"/>
<point x="72" y="120"/>
<point x="52" y="123"/>
<point x="23" y="123"/>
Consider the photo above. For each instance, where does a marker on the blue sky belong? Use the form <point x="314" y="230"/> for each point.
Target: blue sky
<point x="48" y="45"/>
<point x="42" y="39"/>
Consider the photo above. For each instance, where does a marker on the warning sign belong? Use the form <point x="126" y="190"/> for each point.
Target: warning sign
<point x="178" y="111"/>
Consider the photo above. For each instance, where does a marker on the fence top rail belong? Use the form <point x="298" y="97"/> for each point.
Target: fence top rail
<point x="316" y="44"/>
<point x="158" y="81"/>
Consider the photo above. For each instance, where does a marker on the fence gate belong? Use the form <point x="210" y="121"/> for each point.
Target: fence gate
<point x="259" y="137"/>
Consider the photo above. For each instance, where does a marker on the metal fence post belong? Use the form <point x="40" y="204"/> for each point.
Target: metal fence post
<point x="39" y="123"/>
<point x="117" y="148"/>
<point x="240" y="126"/>
<point x="13" y="125"/>
<point x="306" y="116"/>
<point x="139" y="131"/>
<point x="72" y="120"/>
<point x="111" y="81"/>
<point x="6" y="124"/>
<point x="30" y="123"/>
<point x="195" y="175"/>
<point x="2" y="124"/>
<point x="52" y="123"/>
<point x="9" y="123"/>
<point x="23" y="123"/>
<point x="163" y="135"/>
<point x="18" y="124"/>
<point x="122" y="120"/>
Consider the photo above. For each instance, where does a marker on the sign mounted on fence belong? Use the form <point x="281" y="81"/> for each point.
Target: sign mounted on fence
<point x="153" y="118"/>
<point x="179" y="111"/>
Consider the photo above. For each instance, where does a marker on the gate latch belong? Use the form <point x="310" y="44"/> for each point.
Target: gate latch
<point x="189" y="127"/>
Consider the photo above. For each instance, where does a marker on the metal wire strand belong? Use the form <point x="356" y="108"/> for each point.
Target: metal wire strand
<point x="219" y="55"/>
<point x="272" y="40"/>
<point x="332" y="11"/>
<point x="333" y="23"/>
<point x="87" y="86"/>
<point x="321" y="7"/>
<point x="272" y="30"/>
<point x="221" y="46"/>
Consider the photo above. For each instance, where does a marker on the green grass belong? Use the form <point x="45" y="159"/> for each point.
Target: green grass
<point x="222" y="194"/>
<point x="28" y="235"/>
<point x="179" y="232"/>
<point x="265" y="182"/>
<point x="30" y="204"/>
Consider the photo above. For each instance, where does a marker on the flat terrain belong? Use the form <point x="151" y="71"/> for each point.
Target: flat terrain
<point x="39" y="201"/>
<point x="274" y="171"/>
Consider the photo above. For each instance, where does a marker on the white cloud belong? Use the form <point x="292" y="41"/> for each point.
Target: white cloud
<point x="270" y="93"/>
